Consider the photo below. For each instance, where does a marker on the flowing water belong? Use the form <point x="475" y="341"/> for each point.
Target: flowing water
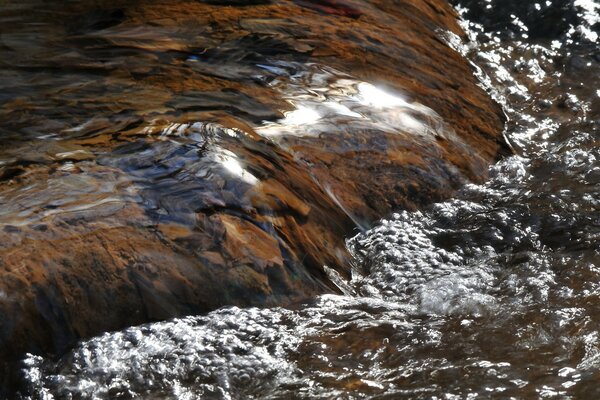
<point x="492" y="294"/>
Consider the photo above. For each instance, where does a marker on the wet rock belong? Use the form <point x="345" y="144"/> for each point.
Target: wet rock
<point x="205" y="155"/>
<point x="336" y="7"/>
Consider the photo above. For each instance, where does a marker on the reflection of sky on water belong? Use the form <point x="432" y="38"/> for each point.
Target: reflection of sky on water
<point x="590" y="13"/>
<point x="196" y="133"/>
<point x="230" y="162"/>
<point x="326" y="103"/>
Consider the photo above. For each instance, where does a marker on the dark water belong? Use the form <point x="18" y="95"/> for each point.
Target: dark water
<point x="493" y="294"/>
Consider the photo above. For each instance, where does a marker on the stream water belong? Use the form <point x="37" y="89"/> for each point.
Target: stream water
<point x="492" y="294"/>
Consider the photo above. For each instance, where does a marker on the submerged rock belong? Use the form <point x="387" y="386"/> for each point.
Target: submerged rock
<point x="185" y="156"/>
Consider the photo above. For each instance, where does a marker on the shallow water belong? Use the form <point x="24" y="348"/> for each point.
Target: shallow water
<point x="162" y="159"/>
<point x="494" y="294"/>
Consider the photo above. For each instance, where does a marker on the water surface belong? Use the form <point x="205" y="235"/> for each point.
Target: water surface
<point x="494" y="293"/>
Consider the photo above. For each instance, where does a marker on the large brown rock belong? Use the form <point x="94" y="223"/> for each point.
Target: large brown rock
<point x="220" y="155"/>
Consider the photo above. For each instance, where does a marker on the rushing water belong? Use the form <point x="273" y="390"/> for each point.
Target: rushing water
<point x="493" y="294"/>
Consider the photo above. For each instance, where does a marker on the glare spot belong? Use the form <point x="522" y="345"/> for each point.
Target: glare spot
<point x="372" y="96"/>
<point x="229" y="161"/>
<point x="341" y="109"/>
<point x="301" y="116"/>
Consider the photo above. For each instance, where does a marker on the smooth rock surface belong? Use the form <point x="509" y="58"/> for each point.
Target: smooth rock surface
<point x="161" y="159"/>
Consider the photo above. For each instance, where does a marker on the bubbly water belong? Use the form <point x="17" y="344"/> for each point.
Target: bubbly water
<point x="492" y="294"/>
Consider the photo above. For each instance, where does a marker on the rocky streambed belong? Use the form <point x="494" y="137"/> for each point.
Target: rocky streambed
<point x="166" y="159"/>
<point x="162" y="159"/>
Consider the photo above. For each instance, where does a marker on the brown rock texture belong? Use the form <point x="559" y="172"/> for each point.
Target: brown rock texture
<point x="180" y="181"/>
